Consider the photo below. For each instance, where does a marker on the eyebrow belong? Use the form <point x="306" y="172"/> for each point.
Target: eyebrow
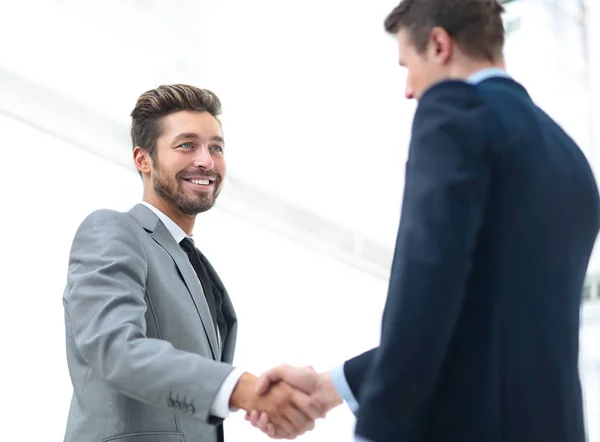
<point x="195" y="136"/>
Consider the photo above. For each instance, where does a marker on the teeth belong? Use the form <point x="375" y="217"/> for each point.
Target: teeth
<point x="203" y="182"/>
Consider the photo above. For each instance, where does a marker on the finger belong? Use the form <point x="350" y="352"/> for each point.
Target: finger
<point x="299" y="420"/>
<point x="264" y="383"/>
<point x="305" y="426"/>
<point x="284" y="427"/>
<point x="263" y="422"/>
<point x="268" y="378"/>
<point x="310" y="407"/>
<point x="276" y="433"/>
<point x="254" y="417"/>
<point x="302" y="378"/>
<point x="272" y="432"/>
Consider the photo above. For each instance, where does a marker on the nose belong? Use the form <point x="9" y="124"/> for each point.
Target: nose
<point x="203" y="158"/>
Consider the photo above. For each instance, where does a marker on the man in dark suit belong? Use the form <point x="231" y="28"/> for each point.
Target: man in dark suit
<point x="500" y="214"/>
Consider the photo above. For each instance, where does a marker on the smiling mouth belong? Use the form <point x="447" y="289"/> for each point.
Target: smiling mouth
<point x="200" y="181"/>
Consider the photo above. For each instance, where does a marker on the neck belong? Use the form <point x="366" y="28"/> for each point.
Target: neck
<point x="466" y="69"/>
<point x="186" y="222"/>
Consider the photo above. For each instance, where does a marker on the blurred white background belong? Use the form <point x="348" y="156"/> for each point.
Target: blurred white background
<point x="317" y="131"/>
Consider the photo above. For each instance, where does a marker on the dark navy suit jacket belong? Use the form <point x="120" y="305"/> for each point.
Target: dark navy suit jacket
<point x="480" y="330"/>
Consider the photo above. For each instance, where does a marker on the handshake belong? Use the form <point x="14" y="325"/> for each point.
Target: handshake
<point x="285" y="401"/>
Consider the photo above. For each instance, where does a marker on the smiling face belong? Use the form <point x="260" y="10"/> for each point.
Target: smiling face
<point x="186" y="171"/>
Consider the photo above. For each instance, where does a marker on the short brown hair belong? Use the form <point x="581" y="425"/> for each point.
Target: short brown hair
<point x="157" y="103"/>
<point x="475" y="25"/>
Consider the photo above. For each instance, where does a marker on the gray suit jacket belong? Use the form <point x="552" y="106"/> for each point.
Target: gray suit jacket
<point x="142" y="350"/>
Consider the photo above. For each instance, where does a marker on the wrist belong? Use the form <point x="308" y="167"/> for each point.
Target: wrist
<point x="243" y="395"/>
<point x="327" y="392"/>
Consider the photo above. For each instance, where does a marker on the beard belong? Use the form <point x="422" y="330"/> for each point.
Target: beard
<point x="173" y="192"/>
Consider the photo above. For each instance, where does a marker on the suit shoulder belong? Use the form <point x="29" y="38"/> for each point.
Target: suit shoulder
<point x="105" y="216"/>
<point x="450" y="94"/>
<point x="108" y="233"/>
<point x="458" y="106"/>
<point x="106" y="220"/>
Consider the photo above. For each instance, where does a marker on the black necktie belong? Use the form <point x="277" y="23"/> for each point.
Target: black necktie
<point x="213" y="297"/>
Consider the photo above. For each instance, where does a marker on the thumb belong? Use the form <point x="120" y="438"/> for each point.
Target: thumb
<point x="268" y="378"/>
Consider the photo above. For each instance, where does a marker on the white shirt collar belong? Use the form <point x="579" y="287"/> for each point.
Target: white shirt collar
<point x="176" y="231"/>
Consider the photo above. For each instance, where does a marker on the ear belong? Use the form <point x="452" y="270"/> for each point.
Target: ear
<point x="440" y="45"/>
<point x="142" y="160"/>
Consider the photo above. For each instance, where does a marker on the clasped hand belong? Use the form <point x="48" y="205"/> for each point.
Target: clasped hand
<point x="289" y="400"/>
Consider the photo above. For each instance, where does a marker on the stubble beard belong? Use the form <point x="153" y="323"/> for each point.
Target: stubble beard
<point x="172" y="192"/>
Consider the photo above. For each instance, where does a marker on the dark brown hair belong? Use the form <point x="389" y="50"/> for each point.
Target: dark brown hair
<point x="153" y="105"/>
<point x="475" y="25"/>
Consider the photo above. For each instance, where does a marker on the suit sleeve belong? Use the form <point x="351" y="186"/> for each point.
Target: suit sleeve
<point x="105" y="314"/>
<point x="355" y="370"/>
<point x="446" y="189"/>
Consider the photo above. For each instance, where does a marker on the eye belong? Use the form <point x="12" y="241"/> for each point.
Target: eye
<point x="186" y="145"/>
<point x="217" y="148"/>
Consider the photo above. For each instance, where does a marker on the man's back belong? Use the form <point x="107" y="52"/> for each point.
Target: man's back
<point x="512" y="367"/>
<point x="480" y="331"/>
<point x="479" y="337"/>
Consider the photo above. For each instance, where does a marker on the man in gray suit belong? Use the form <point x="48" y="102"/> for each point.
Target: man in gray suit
<point x="150" y="328"/>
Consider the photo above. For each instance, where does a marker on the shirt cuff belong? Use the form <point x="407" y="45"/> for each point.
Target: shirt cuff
<point x="220" y="406"/>
<point x="341" y="385"/>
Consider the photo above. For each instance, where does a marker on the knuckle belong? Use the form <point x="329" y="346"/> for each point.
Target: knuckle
<point x="278" y="402"/>
<point x="315" y="406"/>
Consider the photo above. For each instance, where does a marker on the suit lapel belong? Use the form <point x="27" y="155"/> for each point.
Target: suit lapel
<point x="161" y="235"/>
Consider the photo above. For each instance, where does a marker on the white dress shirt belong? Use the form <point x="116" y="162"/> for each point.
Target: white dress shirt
<point x="220" y="407"/>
